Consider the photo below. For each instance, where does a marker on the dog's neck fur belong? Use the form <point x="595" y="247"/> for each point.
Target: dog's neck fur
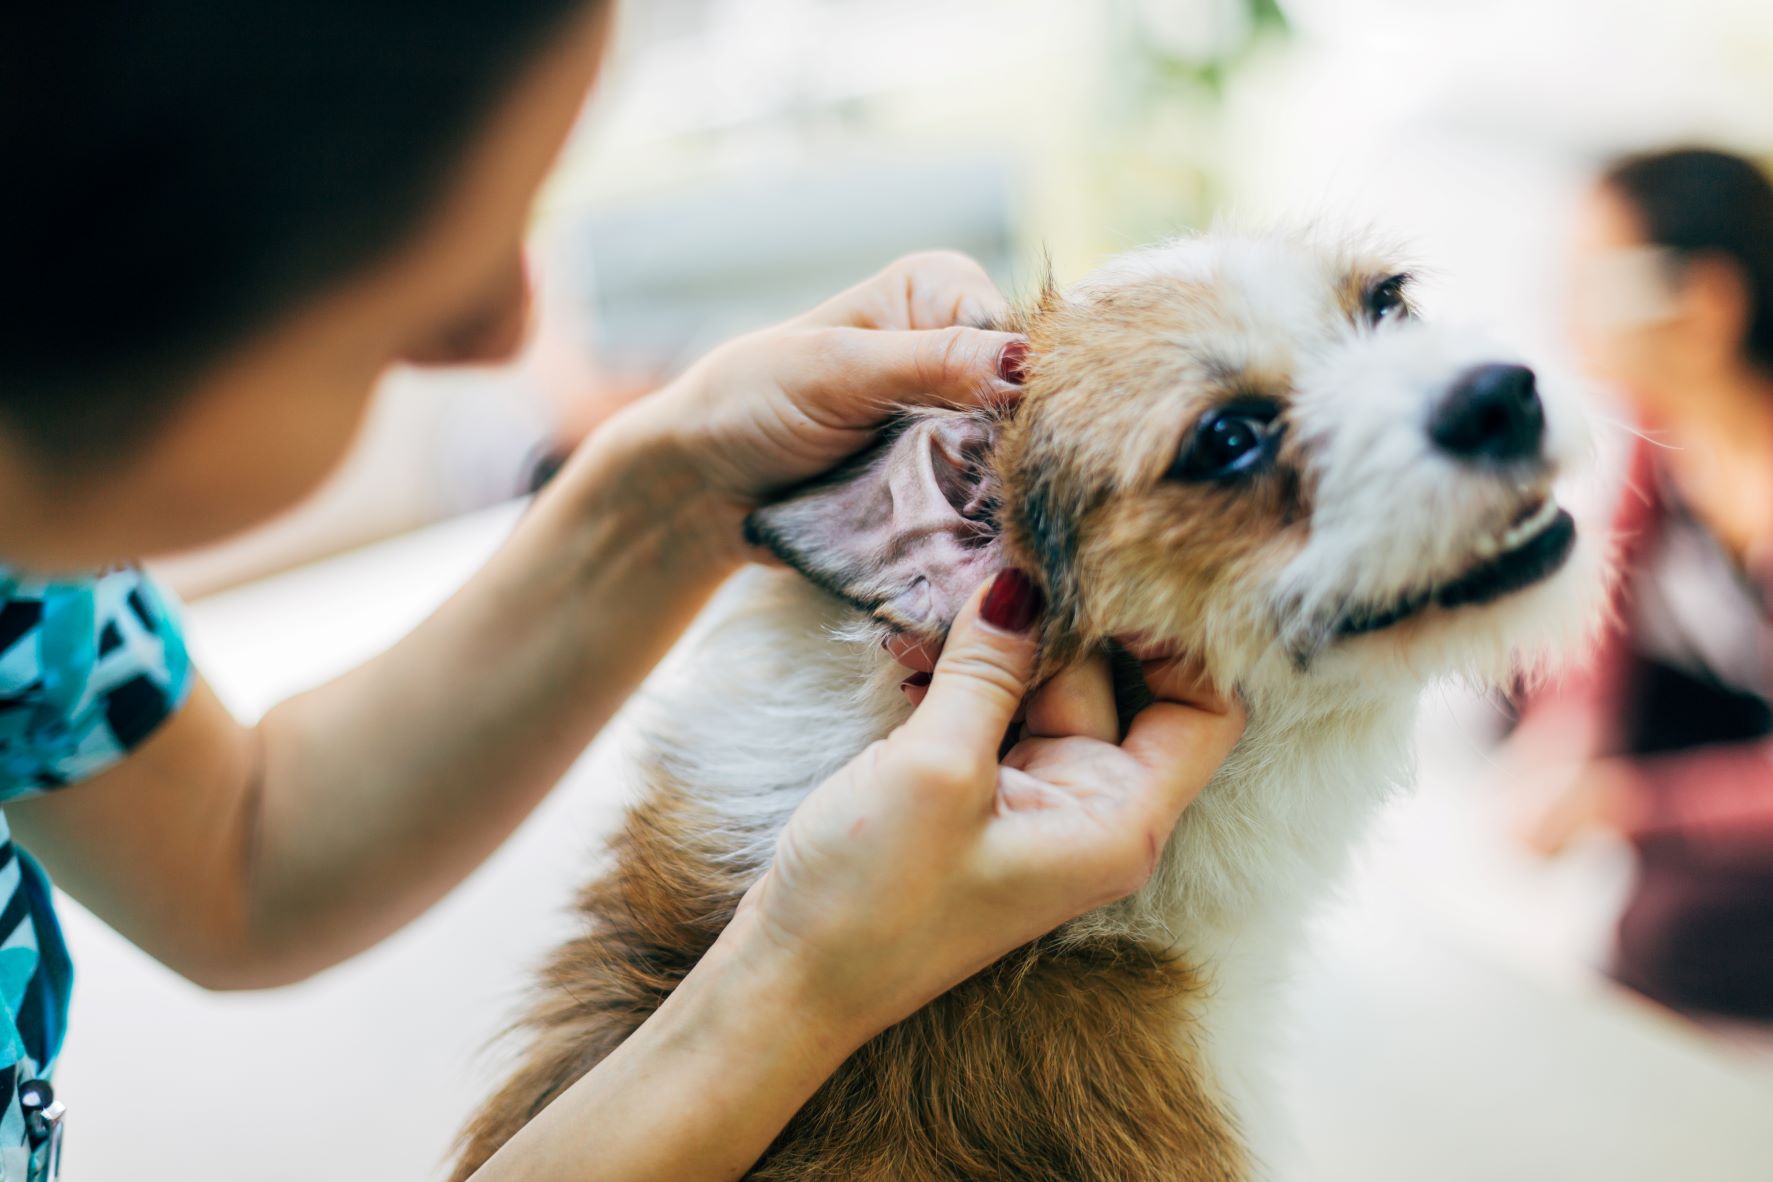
<point x="1313" y="761"/>
<point x="1238" y="877"/>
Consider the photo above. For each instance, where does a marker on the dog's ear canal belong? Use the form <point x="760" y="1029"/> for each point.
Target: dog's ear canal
<point x="906" y="530"/>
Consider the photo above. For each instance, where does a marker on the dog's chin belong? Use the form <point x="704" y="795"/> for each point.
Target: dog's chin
<point x="1534" y="547"/>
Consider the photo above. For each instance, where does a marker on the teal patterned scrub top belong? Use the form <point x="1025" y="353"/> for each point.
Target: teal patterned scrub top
<point x="89" y="668"/>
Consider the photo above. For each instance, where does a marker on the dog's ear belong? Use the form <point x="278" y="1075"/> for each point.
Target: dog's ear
<point x="907" y="530"/>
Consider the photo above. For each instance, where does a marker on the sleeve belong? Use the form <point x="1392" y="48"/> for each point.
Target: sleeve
<point x="89" y="668"/>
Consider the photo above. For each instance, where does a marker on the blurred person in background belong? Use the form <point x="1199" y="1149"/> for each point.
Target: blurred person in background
<point x="1667" y="737"/>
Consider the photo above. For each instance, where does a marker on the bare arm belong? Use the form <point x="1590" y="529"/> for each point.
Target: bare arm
<point x="252" y="856"/>
<point x="1716" y="801"/>
<point x="701" y="1089"/>
<point x="1719" y="798"/>
<point x="245" y="857"/>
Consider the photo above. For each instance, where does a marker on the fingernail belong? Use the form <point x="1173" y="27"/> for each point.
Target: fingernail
<point x="1012" y="603"/>
<point x="1012" y="363"/>
<point x="915" y="681"/>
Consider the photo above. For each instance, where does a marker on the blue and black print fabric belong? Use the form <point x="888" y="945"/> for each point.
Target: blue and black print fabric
<point x="89" y="668"/>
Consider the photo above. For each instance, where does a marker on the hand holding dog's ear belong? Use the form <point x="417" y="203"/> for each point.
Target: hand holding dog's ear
<point x="778" y="407"/>
<point x="930" y="289"/>
<point x="925" y="859"/>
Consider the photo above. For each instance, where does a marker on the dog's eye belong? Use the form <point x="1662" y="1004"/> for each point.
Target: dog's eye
<point x="1385" y="300"/>
<point x="1227" y="443"/>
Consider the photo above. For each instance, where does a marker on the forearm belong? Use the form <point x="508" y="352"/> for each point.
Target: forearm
<point x="701" y="1089"/>
<point x="381" y="790"/>
<point x="1718" y="798"/>
<point x="252" y="856"/>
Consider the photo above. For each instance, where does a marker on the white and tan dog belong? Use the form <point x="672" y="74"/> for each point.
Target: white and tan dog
<point x="1247" y="450"/>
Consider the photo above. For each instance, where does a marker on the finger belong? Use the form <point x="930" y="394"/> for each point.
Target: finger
<point x="983" y="673"/>
<point x="871" y="373"/>
<point x="933" y="289"/>
<point x="1180" y="747"/>
<point x="946" y="287"/>
<point x="1094" y="856"/>
<point x="913" y="653"/>
<point x="1183" y="680"/>
<point x="1078" y="701"/>
<point x="1019" y="791"/>
<point x="916" y="688"/>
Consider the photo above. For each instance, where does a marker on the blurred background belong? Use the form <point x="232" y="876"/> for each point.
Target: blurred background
<point x="1461" y="1015"/>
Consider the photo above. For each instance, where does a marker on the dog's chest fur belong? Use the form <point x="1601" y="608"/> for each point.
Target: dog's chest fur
<point x="1127" y="1046"/>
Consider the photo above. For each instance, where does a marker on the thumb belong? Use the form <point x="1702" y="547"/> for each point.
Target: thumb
<point x="982" y="675"/>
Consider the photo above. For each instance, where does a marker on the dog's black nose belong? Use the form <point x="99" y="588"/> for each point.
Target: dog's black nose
<point x="1492" y="414"/>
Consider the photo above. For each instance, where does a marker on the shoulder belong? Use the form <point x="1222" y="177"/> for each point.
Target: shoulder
<point x="89" y="667"/>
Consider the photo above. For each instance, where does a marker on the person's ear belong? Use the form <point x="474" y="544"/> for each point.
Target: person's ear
<point x="1716" y="305"/>
<point x="906" y="530"/>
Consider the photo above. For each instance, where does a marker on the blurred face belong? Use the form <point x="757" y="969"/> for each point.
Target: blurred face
<point x="1625" y="308"/>
<point x="1660" y="326"/>
<point x="272" y="419"/>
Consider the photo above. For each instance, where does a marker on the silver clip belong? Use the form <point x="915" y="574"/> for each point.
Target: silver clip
<point x="45" y="1117"/>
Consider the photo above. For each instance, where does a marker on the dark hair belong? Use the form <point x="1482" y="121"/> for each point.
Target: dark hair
<point x="179" y="172"/>
<point x="1700" y="201"/>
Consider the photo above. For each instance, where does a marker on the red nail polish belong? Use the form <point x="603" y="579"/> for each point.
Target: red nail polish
<point x="915" y="681"/>
<point x="1012" y="603"/>
<point x="1012" y="363"/>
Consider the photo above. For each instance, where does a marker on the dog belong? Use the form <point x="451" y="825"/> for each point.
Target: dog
<point x="1248" y="450"/>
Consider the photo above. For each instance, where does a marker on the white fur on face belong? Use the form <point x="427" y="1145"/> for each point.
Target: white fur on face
<point x="1394" y="515"/>
<point x="1391" y="515"/>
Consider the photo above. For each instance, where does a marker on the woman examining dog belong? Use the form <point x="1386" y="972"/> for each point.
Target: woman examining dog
<point x="222" y="223"/>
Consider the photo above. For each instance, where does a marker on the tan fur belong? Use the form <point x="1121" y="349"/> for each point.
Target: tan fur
<point x="1062" y="1061"/>
<point x="647" y="924"/>
<point x="1059" y="1062"/>
<point x="1090" y="446"/>
<point x="1084" y="1055"/>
